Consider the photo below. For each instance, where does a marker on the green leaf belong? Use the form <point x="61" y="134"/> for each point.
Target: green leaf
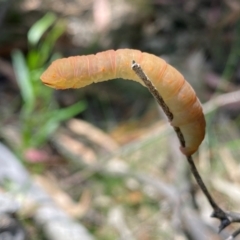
<point x="23" y="79"/>
<point x="33" y="59"/>
<point x="54" y="119"/>
<point x="69" y="112"/>
<point x="40" y="27"/>
<point x="50" y="40"/>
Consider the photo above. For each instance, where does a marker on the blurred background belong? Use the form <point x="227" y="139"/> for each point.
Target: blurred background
<point x="102" y="162"/>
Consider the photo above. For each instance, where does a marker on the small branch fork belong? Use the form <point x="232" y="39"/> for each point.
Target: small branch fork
<point x="226" y="218"/>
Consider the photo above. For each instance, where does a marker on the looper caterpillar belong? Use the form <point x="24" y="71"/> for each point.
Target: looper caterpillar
<point x="179" y="96"/>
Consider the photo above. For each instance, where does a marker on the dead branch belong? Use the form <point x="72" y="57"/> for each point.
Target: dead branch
<point x="226" y="218"/>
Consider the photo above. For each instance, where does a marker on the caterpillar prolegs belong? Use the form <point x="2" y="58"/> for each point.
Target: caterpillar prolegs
<point x="179" y="96"/>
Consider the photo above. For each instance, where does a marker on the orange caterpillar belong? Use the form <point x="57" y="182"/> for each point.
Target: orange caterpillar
<point x="179" y="96"/>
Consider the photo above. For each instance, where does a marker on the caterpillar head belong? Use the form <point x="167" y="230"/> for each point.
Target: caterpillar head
<point x="53" y="76"/>
<point x="66" y="73"/>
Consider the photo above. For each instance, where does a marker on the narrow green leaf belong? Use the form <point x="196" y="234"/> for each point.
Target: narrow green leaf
<point x="33" y="59"/>
<point x="40" y="27"/>
<point x="23" y="78"/>
<point x="54" y="119"/>
<point x="43" y="135"/>
<point x="69" y="112"/>
<point x="50" y="40"/>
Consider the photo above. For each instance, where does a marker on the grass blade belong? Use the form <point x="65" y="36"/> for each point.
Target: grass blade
<point x="23" y="78"/>
<point x="40" y="27"/>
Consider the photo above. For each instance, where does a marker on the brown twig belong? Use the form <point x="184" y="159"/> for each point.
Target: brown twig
<point x="226" y="218"/>
<point x="237" y="232"/>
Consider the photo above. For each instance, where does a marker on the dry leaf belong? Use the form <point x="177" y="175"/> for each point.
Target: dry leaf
<point x="62" y="199"/>
<point x="92" y="133"/>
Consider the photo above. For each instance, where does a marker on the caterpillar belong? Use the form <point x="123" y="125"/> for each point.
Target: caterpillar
<point x="179" y="96"/>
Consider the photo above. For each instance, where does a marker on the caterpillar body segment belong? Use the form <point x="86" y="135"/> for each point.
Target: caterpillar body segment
<point x="179" y="96"/>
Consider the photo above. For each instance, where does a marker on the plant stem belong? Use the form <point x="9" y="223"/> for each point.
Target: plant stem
<point x="226" y="218"/>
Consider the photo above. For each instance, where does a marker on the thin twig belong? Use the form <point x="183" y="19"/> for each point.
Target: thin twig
<point x="237" y="232"/>
<point x="226" y="218"/>
<point x="138" y="70"/>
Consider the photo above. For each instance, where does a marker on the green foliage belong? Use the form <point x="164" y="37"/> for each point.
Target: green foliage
<point x="40" y="27"/>
<point x="23" y="79"/>
<point x="40" y="115"/>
